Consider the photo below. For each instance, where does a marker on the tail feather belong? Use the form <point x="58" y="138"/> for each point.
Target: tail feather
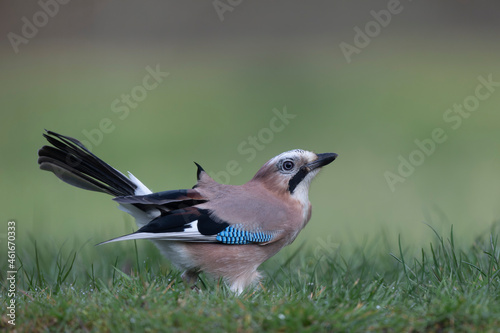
<point x="72" y="176"/>
<point x="73" y="163"/>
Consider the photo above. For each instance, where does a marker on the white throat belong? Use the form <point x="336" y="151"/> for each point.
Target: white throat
<point x="301" y="192"/>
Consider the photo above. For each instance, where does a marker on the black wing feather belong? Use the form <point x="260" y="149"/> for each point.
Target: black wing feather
<point x="179" y="220"/>
<point x="169" y="200"/>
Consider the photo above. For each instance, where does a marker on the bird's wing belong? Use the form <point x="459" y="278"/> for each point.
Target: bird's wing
<point x="169" y="200"/>
<point x="194" y="224"/>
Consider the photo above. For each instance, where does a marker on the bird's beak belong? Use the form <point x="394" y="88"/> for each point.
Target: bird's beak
<point x="322" y="160"/>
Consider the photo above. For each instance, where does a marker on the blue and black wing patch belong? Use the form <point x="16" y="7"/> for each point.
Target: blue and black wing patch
<point x="236" y="234"/>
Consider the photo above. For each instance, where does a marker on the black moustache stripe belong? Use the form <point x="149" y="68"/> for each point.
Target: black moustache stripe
<point x="297" y="178"/>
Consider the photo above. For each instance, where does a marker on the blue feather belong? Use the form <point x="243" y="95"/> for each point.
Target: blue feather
<point x="236" y="235"/>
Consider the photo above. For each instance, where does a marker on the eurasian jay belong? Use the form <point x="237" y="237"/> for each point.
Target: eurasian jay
<point x="224" y="230"/>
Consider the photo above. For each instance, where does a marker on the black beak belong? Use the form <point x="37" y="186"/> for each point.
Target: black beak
<point x="323" y="159"/>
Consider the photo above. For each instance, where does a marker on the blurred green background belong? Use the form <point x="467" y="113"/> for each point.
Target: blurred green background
<point x="225" y="78"/>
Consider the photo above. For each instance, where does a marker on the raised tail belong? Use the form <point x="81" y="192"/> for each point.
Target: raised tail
<point x="73" y="163"/>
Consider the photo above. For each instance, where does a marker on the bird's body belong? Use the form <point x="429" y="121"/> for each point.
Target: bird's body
<point x="224" y="230"/>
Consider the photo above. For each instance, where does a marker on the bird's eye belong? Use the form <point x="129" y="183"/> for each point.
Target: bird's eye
<point x="288" y="165"/>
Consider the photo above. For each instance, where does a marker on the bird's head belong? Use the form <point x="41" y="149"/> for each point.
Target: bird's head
<point x="292" y="171"/>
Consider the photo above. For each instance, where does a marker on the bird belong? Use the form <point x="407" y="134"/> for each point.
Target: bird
<point x="226" y="231"/>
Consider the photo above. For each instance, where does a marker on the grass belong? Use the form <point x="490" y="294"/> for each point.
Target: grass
<point x="445" y="288"/>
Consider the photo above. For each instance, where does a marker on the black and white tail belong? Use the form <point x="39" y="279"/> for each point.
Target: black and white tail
<point x="73" y="163"/>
